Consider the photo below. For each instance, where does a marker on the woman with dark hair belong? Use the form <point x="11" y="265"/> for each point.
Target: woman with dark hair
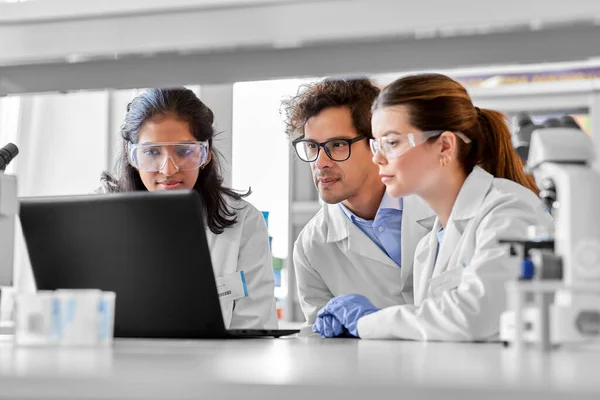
<point x="430" y="140"/>
<point x="168" y="144"/>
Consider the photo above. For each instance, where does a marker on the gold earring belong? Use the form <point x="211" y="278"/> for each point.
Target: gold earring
<point x="444" y="160"/>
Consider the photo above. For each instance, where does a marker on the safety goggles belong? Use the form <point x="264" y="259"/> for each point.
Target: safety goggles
<point x="152" y="157"/>
<point x="394" y="145"/>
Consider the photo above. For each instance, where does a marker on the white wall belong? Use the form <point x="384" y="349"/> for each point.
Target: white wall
<point x="63" y="143"/>
<point x="62" y="140"/>
<point x="261" y="151"/>
<point x="219" y="98"/>
<point x="9" y="119"/>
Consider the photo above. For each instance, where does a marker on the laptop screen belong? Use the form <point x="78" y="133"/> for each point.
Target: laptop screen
<point x="148" y="247"/>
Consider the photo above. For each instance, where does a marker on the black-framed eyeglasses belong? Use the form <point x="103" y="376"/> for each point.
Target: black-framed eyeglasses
<point x="336" y="149"/>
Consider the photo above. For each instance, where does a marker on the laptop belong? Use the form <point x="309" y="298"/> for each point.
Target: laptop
<point x="149" y="248"/>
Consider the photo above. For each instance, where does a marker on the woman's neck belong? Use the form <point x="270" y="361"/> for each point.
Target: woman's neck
<point x="442" y="195"/>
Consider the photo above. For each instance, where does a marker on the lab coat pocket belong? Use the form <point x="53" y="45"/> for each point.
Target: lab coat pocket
<point x="445" y="281"/>
<point x="231" y="287"/>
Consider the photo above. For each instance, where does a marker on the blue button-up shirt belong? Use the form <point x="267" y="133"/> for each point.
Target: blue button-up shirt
<point x="386" y="229"/>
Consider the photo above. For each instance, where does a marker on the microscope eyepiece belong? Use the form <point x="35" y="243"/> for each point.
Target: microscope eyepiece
<point x="7" y="153"/>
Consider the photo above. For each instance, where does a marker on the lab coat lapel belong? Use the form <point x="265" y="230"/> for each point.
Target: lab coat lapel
<point x="425" y="262"/>
<point x="417" y="221"/>
<point x="341" y="228"/>
<point x="471" y="196"/>
<point x="451" y="238"/>
<point x="336" y="223"/>
<point x="362" y="245"/>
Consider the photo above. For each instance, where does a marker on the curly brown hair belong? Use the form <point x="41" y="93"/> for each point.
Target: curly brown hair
<point x="312" y="98"/>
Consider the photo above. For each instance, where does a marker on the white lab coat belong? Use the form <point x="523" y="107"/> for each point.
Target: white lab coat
<point x="333" y="257"/>
<point x="244" y="246"/>
<point x="460" y="296"/>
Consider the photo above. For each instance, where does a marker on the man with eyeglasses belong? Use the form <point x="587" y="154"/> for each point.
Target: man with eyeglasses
<point x="362" y="241"/>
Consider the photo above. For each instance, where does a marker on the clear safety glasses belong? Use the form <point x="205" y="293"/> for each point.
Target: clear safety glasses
<point x="152" y="157"/>
<point x="394" y="145"/>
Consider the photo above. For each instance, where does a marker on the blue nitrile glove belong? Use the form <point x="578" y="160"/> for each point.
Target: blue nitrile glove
<point x="327" y="326"/>
<point x="347" y="310"/>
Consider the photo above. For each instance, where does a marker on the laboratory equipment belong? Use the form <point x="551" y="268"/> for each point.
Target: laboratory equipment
<point x="557" y="299"/>
<point x="9" y="208"/>
<point x="522" y="135"/>
<point x="81" y="317"/>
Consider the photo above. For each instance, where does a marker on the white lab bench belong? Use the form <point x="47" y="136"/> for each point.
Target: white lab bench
<point x="297" y="368"/>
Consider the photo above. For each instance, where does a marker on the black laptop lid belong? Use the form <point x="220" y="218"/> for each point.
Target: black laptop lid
<point x="148" y="247"/>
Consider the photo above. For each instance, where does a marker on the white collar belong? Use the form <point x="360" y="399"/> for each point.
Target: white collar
<point x="394" y="203"/>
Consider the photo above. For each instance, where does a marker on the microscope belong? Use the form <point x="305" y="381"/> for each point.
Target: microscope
<point x="522" y="135"/>
<point x="9" y="208"/>
<point x="556" y="300"/>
